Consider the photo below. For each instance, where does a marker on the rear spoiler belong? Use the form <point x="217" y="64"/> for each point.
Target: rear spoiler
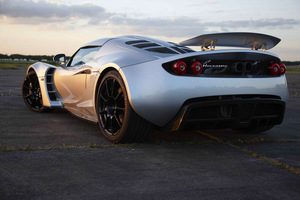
<point x="238" y="39"/>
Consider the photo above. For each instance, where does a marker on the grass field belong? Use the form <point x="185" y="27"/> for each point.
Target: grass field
<point x="14" y="64"/>
<point x="6" y="64"/>
<point x="293" y="69"/>
<point x="24" y="64"/>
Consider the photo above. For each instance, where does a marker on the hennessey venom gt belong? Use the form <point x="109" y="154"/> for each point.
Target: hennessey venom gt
<point x="131" y="85"/>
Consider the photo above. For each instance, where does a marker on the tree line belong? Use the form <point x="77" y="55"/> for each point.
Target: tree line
<point x="288" y="63"/>
<point x="50" y="58"/>
<point x="27" y="57"/>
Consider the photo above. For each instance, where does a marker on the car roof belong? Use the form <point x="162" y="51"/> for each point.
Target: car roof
<point x="99" y="42"/>
<point x="147" y="44"/>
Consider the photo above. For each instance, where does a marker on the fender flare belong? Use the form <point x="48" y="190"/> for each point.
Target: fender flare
<point x="41" y="69"/>
<point x="101" y="73"/>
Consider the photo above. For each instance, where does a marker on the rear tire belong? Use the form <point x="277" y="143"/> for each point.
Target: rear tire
<point x="118" y="122"/>
<point x="31" y="92"/>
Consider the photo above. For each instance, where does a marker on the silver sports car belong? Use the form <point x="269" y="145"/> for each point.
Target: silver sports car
<point x="131" y="85"/>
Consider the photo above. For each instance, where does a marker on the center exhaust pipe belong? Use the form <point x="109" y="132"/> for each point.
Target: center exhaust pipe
<point x="242" y="67"/>
<point x="248" y="67"/>
<point x="238" y="67"/>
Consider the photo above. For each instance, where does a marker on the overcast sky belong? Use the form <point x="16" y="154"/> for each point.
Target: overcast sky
<point x="62" y="26"/>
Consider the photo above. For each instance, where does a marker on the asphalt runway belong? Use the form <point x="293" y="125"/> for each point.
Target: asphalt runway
<point x="58" y="156"/>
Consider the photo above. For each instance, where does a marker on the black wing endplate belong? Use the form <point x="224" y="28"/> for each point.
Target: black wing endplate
<point x="237" y="39"/>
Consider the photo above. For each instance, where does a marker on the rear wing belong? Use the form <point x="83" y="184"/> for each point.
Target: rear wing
<point x="254" y="41"/>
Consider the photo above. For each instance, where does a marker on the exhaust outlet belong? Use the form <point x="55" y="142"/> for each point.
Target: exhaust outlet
<point x="238" y="67"/>
<point x="248" y="67"/>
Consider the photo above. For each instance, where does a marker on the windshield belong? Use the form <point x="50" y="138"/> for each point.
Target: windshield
<point x="84" y="55"/>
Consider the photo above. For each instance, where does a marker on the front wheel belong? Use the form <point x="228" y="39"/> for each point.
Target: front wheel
<point x="118" y="122"/>
<point x="31" y="92"/>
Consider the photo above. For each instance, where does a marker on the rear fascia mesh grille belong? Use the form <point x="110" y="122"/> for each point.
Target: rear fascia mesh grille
<point x="241" y="111"/>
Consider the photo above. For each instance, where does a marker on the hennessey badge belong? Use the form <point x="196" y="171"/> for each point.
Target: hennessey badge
<point x="205" y="64"/>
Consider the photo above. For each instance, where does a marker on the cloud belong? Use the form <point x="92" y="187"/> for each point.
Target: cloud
<point x="175" y="27"/>
<point x="203" y="4"/>
<point x="90" y="15"/>
<point x="260" y="23"/>
<point x="187" y="26"/>
<point x="23" y="11"/>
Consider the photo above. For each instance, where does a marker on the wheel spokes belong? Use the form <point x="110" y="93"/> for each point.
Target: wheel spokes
<point x="118" y="121"/>
<point x="120" y="109"/>
<point x="113" y="87"/>
<point x="105" y="123"/>
<point x="33" y="103"/>
<point x="111" y="125"/>
<point x="27" y="96"/>
<point x="102" y="97"/>
<point x="102" y="111"/>
<point x="118" y="95"/>
<point x="26" y="87"/>
<point x="107" y="90"/>
<point x="31" y="92"/>
<point x="111" y="106"/>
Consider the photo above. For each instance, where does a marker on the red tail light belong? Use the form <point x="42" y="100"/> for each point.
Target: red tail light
<point x="282" y="68"/>
<point x="274" y="68"/>
<point x="196" y="67"/>
<point x="180" y="67"/>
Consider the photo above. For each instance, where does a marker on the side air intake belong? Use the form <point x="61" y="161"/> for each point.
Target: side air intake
<point x="52" y="91"/>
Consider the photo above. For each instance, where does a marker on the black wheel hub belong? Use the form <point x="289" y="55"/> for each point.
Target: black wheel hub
<point x="111" y="111"/>
<point x="111" y="106"/>
<point x="32" y="92"/>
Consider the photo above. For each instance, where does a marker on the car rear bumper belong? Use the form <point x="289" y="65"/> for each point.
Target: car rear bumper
<point x="228" y="112"/>
<point x="158" y="96"/>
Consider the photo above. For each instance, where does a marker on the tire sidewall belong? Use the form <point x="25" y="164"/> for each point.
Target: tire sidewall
<point x="42" y="109"/>
<point x="120" y="136"/>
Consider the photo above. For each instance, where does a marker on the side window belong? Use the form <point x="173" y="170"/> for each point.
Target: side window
<point x="83" y="56"/>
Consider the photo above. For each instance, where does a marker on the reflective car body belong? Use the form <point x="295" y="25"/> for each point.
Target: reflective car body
<point x="231" y="82"/>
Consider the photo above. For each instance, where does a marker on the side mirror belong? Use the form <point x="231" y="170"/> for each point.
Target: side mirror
<point x="60" y="59"/>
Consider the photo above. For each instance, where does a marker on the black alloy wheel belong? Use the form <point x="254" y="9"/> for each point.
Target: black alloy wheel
<point x="111" y="106"/>
<point x="118" y="122"/>
<point x="31" y="93"/>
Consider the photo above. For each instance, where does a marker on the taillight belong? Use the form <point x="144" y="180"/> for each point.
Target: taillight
<point x="282" y="68"/>
<point x="196" y="67"/>
<point x="180" y="67"/>
<point x="274" y="68"/>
